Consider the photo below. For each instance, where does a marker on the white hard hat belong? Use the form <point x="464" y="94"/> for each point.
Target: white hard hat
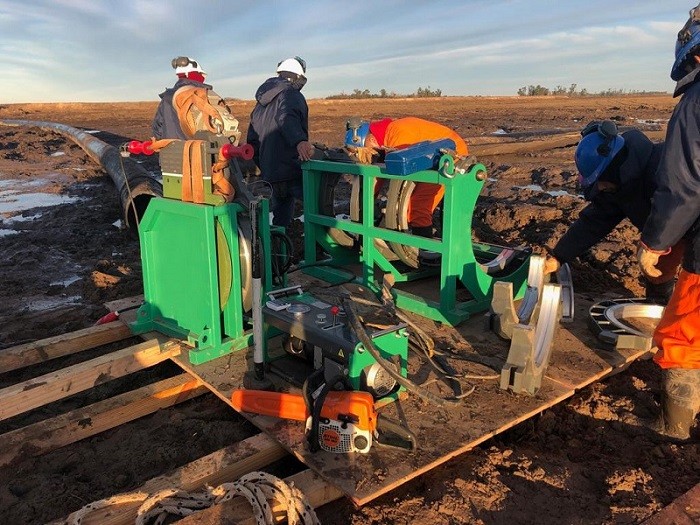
<point x="294" y="65"/>
<point x="184" y="65"/>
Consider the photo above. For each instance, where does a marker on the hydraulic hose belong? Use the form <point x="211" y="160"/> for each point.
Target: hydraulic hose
<point x="135" y="186"/>
<point x="403" y="381"/>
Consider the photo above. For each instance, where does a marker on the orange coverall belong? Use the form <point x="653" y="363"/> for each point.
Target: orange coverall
<point x="408" y="131"/>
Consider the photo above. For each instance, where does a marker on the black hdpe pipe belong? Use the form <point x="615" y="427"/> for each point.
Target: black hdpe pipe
<point x="135" y="186"/>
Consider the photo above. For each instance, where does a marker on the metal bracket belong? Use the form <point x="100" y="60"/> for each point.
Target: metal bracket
<point x="567" y="292"/>
<point x="531" y="346"/>
<point x="607" y="322"/>
<point x="503" y="316"/>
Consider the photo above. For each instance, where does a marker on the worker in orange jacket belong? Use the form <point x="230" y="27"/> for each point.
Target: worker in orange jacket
<point x="401" y="133"/>
<point x="674" y="217"/>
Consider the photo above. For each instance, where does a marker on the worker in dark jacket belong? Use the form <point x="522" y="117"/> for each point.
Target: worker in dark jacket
<point x="617" y="174"/>
<point x="279" y="134"/>
<point x="674" y="218"/>
<point x="166" y="124"/>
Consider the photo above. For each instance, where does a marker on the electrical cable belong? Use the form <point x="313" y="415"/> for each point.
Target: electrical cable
<point x="366" y="341"/>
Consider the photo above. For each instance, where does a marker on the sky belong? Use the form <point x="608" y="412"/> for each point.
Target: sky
<point x="113" y="51"/>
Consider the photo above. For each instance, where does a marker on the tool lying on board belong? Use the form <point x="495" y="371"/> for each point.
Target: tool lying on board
<point x="348" y="421"/>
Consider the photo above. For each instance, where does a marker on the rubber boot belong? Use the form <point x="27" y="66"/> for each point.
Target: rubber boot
<point x="680" y="402"/>
<point x="660" y="293"/>
<point x="426" y="257"/>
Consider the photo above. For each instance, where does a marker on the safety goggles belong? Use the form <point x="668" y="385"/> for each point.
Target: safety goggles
<point x="607" y="129"/>
<point x="183" y="61"/>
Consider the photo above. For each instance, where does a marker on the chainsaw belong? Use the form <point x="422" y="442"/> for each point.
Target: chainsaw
<point x="346" y="422"/>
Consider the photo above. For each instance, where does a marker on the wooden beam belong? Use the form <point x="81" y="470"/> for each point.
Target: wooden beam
<point x="57" y="432"/>
<point x="317" y="491"/>
<point x="24" y="355"/>
<point x="531" y="146"/>
<point x="227" y="464"/>
<point x="50" y="387"/>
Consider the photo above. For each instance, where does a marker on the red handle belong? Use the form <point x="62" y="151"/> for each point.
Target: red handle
<point x="140" y="148"/>
<point x="244" y="151"/>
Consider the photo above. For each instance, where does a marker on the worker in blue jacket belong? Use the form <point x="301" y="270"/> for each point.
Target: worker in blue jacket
<point x="617" y="173"/>
<point x="674" y="219"/>
<point x="279" y="134"/>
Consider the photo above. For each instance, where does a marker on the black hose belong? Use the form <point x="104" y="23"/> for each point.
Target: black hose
<point x="281" y="260"/>
<point x="369" y="345"/>
<point x="135" y="186"/>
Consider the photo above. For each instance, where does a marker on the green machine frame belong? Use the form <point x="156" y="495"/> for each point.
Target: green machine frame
<point x="192" y="275"/>
<point x="458" y="262"/>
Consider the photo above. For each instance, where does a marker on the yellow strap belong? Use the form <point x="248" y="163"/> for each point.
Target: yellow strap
<point x="218" y="179"/>
<point x="183" y="101"/>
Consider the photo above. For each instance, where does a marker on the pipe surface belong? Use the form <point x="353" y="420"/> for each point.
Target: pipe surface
<point x="135" y="186"/>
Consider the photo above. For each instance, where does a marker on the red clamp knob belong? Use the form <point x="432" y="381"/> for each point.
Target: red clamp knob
<point x="140" y="148"/>
<point x="244" y="151"/>
<point x="335" y="310"/>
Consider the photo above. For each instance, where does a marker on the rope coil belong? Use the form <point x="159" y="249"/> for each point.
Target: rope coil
<point x="258" y="488"/>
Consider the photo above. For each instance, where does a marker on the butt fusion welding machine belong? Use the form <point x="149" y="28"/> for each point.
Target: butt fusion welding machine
<point x="200" y="271"/>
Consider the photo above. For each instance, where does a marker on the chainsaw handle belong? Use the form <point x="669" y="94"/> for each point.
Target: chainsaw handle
<point x="402" y="437"/>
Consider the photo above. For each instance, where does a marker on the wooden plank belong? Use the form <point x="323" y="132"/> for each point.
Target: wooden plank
<point x="684" y="510"/>
<point x="225" y="465"/>
<point x="28" y="354"/>
<point x="482" y="149"/>
<point x="50" y="387"/>
<point x="239" y="511"/>
<point x="484" y="414"/>
<point x="128" y="302"/>
<point x="50" y="434"/>
<point x="363" y="477"/>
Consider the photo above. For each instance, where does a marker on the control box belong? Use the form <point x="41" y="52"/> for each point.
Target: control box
<point x="335" y="347"/>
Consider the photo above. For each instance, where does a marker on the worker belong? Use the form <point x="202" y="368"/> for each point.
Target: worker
<point x="399" y="133"/>
<point x="675" y="216"/>
<point x="166" y="124"/>
<point x="617" y="173"/>
<point x="191" y="106"/>
<point x="279" y="134"/>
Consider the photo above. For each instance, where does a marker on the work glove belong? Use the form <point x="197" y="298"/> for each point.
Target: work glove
<point x="551" y="265"/>
<point x="364" y="155"/>
<point x="648" y="259"/>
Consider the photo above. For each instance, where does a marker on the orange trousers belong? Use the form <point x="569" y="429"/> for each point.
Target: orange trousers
<point x="678" y="333"/>
<point x="411" y="130"/>
<point x="424" y="200"/>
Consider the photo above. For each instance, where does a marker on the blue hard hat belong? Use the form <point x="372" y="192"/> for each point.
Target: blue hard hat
<point x="595" y="152"/>
<point x="686" y="44"/>
<point x="356" y="135"/>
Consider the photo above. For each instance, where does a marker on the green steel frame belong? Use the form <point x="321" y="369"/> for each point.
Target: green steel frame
<point x="184" y="294"/>
<point x="458" y="261"/>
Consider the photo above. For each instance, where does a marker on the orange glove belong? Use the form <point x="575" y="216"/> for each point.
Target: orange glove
<point x="648" y="259"/>
<point x="365" y="154"/>
<point x="551" y="265"/>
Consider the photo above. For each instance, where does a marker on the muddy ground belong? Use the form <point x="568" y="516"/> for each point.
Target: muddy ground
<point x="64" y="253"/>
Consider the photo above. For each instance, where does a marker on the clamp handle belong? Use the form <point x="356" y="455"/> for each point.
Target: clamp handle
<point x="136" y="147"/>
<point x="244" y="151"/>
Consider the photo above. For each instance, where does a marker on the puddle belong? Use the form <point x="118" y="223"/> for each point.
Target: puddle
<point x="6" y="233"/>
<point x="11" y="201"/>
<point x="66" y="282"/>
<point x="20" y="218"/>
<point x="17" y="183"/>
<point x="554" y="193"/>
<point x="41" y="303"/>
<point x="652" y="121"/>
